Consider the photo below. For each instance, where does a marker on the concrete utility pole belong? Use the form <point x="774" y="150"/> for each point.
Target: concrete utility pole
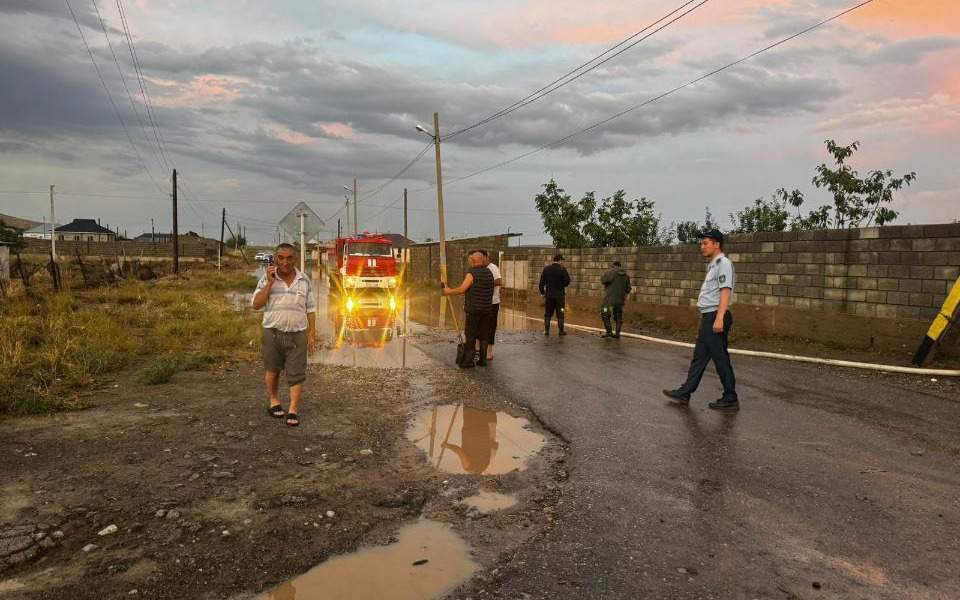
<point x="153" y="235"/>
<point x="176" y="240"/>
<point x="223" y="221"/>
<point x="303" y="246"/>
<point x="53" y="228"/>
<point x="346" y="211"/>
<point x="355" y="221"/>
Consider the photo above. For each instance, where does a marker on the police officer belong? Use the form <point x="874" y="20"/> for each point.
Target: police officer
<point x="716" y="296"/>
<point x="616" y="285"/>
<point x="554" y="280"/>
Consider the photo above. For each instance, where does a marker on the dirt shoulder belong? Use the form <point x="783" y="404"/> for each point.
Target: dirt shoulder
<point x="211" y="498"/>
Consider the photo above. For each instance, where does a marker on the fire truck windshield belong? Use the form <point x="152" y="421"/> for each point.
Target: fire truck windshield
<point x="368" y="249"/>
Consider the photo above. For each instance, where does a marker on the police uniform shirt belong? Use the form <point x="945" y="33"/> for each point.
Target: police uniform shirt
<point x="720" y="275"/>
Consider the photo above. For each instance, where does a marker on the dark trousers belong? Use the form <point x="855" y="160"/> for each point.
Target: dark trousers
<point x="712" y="346"/>
<point x="475" y="327"/>
<point x="554" y="305"/>
<point x="611" y="310"/>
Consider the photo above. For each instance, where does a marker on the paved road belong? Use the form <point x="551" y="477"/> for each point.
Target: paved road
<point x="828" y="483"/>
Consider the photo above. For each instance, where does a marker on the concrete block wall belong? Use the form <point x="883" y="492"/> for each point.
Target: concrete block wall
<point x="424" y="264"/>
<point x="130" y="249"/>
<point x="795" y="283"/>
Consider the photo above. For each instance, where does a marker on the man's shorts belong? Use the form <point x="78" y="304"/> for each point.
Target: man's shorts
<point x="286" y="351"/>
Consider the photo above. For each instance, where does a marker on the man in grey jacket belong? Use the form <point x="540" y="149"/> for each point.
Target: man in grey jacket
<point x="616" y="285"/>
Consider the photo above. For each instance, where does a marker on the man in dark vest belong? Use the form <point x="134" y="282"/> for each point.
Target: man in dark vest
<point x="477" y="289"/>
<point x="553" y="283"/>
<point x="616" y="284"/>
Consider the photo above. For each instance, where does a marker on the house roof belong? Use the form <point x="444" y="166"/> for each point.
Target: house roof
<point x="398" y="240"/>
<point x="83" y="226"/>
<point x="17" y="222"/>
<point x="41" y="228"/>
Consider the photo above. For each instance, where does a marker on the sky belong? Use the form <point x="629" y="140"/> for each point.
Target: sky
<point x="261" y="105"/>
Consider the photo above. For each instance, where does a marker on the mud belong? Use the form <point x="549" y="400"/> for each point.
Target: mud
<point x="212" y="498"/>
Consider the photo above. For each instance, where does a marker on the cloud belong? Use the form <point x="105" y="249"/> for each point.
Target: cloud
<point x="935" y="114"/>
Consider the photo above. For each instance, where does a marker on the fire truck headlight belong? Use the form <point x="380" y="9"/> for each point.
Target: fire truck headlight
<point x="350" y="305"/>
<point x="392" y="282"/>
<point x="393" y="303"/>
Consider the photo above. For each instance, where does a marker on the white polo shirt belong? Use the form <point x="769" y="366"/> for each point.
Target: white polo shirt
<point x="287" y="306"/>
<point x="496" y="289"/>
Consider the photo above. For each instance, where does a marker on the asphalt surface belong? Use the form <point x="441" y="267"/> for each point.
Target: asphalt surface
<point x="828" y="483"/>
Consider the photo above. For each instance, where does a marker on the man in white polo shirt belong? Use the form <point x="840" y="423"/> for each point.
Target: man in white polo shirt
<point x="289" y="328"/>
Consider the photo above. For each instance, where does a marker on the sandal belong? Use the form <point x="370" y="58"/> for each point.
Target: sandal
<point x="293" y="420"/>
<point x="276" y="411"/>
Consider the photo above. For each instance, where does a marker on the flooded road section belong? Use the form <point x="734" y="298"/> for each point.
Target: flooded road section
<point x="464" y="440"/>
<point x="428" y="561"/>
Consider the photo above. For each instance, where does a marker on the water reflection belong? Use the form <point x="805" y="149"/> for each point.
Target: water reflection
<point x="465" y="440"/>
<point x="428" y="561"/>
<point x="425" y="309"/>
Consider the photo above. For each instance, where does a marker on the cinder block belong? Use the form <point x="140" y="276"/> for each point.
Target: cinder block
<point x="887" y="311"/>
<point x="803" y="303"/>
<point x="869" y="233"/>
<point x="888" y="284"/>
<point x="877" y="297"/>
<point x="901" y="245"/>
<point x="857" y="270"/>
<point x="773" y="279"/>
<point x="911" y="258"/>
<point x="948" y="273"/>
<point x="935" y="286"/>
<point x="834" y="294"/>
<point x="835" y="282"/>
<point x="936" y="258"/>
<point x="835" y="269"/>
<point x="910" y="285"/>
<point x="867" y="283"/>
<point x="921" y="272"/>
<point x="865" y="309"/>
<point x="899" y="271"/>
<point x="921" y="299"/>
<point x="877" y="270"/>
<point x="948" y="244"/>
<point x="924" y="245"/>
<point x="856" y="295"/>
<point x="879" y="245"/>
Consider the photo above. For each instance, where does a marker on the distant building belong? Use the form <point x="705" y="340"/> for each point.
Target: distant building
<point x="39" y="232"/>
<point x="157" y="238"/>
<point x="84" y="230"/>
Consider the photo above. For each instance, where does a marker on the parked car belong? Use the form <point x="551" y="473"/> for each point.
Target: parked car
<point x="263" y="256"/>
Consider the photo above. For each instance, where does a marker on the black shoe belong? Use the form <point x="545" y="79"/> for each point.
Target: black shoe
<point x="467" y="365"/>
<point x="606" y="334"/>
<point x="562" y="332"/>
<point x="677" y="397"/>
<point x="476" y="356"/>
<point x="546" y="333"/>
<point x="724" y="405"/>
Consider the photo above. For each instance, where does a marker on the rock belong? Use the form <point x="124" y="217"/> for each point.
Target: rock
<point x="816" y="585"/>
<point x="47" y="543"/>
<point x="89" y="548"/>
<point x="225" y="533"/>
<point x="173" y="515"/>
<point x="918" y="452"/>
<point x="140" y="405"/>
<point x="222" y="475"/>
<point x="291" y="500"/>
<point x="108" y="530"/>
<point x="160" y="513"/>
<point x="57" y="535"/>
<point x="331" y="514"/>
<point x="195" y="477"/>
<point x="681" y="570"/>
<point x="366" y="452"/>
<point x="422" y="561"/>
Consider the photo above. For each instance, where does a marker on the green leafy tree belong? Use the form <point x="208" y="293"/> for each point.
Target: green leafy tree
<point x="859" y="201"/>
<point x="763" y="215"/>
<point x="687" y="231"/>
<point x="621" y="222"/>
<point x="563" y="218"/>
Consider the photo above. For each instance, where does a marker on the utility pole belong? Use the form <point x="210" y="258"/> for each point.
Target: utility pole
<point x="346" y="210"/>
<point x="53" y="228"/>
<point x="404" y="213"/>
<point x="303" y="247"/>
<point x="223" y="221"/>
<point x="355" y="221"/>
<point x="338" y="227"/>
<point x="153" y="235"/>
<point x="176" y="240"/>
<point x="443" y="228"/>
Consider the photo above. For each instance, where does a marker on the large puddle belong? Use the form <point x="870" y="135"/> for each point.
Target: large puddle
<point x="488" y="502"/>
<point x="465" y="440"/>
<point x="428" y="561"/>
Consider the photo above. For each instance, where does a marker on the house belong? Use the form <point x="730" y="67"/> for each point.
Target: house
<point x="40" y="232"/>
<point x="18" y="223"/>
<point x="84" y="230"/>
<point x="153" y="238"/>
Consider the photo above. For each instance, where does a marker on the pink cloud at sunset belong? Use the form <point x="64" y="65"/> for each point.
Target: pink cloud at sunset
<point x="936" y="114"/>
<point x="201" y="90"/>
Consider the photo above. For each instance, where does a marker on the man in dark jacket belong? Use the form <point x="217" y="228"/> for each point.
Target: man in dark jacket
<point x="553" y="282"/>
<point x="477" y="289"/>
<point x="616" y="285"/>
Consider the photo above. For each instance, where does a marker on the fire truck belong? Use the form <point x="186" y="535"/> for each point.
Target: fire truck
<point x="366" y="261"/>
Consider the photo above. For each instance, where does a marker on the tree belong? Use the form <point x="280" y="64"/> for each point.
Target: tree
<point x="11" y="236"/>
<point x="764" y="215"/>
<point x="233" y="242"/>
<point x="563" y="218"/>
<point x="859" y="201"/>
<point x="687" y="232"/>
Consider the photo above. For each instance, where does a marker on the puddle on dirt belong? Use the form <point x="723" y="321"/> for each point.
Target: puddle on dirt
<point x="428" y="561"/>
<point x="488" y="502"/>
<point x="464" y="440"/>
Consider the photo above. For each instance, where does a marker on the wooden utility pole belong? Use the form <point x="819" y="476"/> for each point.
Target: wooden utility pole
<point x="443" y="228"/>
<point x="355" y="221"/>
<point x="176" y="240"/>
<point x="223" y="221"/>
<point x="53" y="228"/>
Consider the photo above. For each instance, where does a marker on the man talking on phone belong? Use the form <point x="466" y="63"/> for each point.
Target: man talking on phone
<point x="289" y="328"/>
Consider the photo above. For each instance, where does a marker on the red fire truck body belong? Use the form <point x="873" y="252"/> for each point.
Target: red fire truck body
<point x="364" y="261"/>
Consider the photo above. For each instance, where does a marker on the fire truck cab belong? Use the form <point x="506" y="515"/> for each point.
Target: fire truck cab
<point x="364" y="261"/>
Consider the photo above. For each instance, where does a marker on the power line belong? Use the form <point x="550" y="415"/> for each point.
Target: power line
<point x="582" y="70"/>
<point x="123" y="79"/>
<point x="140" y="79"/>
<point x="409" y="165"/>
<point x="653" y="99"/>
<point x="116" y="111"/>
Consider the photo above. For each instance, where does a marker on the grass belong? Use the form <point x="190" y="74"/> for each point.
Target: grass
<point x="54" y="345"/>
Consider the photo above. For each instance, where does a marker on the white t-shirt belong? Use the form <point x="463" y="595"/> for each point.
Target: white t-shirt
<point x="496" y="275"/>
